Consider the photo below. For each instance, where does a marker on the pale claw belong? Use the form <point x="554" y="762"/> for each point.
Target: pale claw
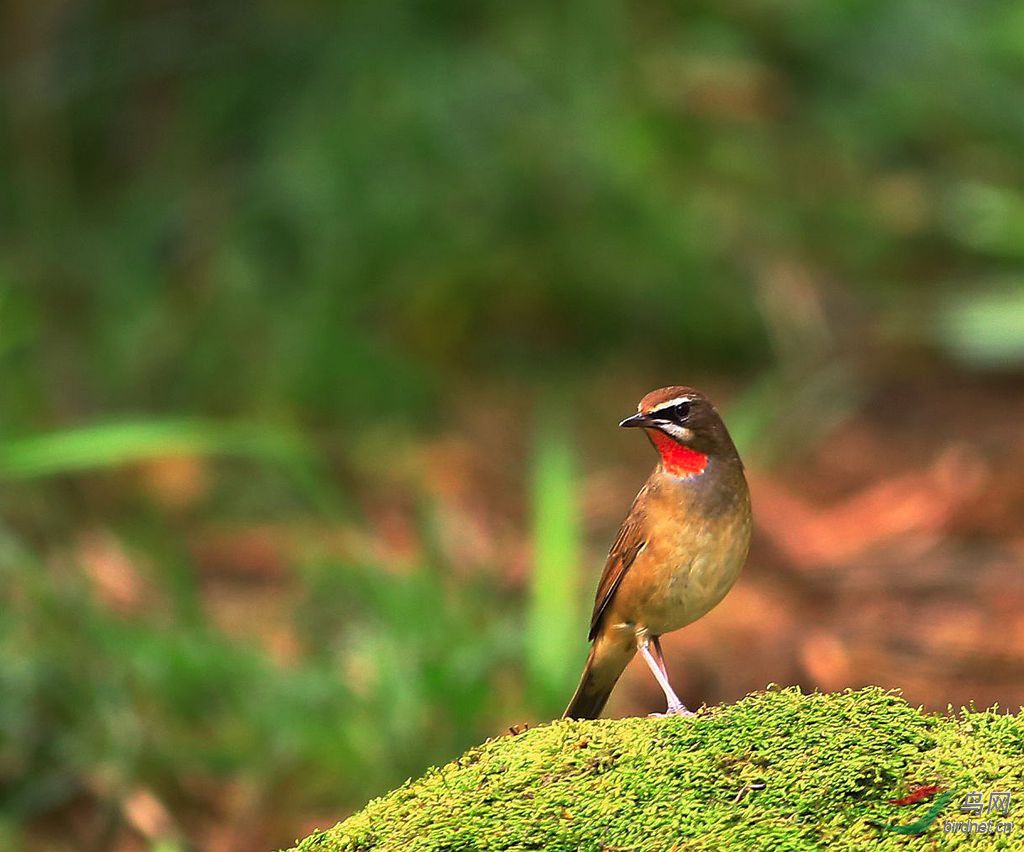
<point x="678" y="710"/>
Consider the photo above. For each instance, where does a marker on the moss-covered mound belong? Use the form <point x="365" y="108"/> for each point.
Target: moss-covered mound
<point x="778" y="770"/>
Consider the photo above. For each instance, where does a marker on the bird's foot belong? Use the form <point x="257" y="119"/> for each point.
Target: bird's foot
<point x="673" y="710"/>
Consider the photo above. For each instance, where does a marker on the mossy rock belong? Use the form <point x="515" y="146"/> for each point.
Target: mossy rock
<point x="777" y="770"/>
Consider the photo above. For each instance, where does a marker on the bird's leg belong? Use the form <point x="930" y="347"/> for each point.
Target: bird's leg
<point x="656" y="663"/>
<point x="658" y="656"/>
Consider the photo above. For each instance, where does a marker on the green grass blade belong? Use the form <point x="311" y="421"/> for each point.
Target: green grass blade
<point x="554" y="641"/>
<point x="107" y="445"/>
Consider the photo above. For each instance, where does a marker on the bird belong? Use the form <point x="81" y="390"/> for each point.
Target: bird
<point x="678" y="552"/>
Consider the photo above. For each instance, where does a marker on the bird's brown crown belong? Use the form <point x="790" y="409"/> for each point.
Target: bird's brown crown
<point x="684" y="427"/>
<point x="662" y="397"/>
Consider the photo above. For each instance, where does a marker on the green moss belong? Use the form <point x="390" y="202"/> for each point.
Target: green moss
<point x="828" y="764"/>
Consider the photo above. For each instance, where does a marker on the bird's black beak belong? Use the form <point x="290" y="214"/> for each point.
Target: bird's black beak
<point x="636" y="420"/>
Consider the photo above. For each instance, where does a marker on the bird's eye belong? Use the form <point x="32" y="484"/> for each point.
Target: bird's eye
<point x="677" y="413"/>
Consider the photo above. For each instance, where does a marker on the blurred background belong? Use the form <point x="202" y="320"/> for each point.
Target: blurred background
<point x="316" y="321"/>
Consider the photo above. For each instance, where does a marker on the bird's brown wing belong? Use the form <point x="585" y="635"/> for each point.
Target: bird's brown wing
<point x="628" y="543"/>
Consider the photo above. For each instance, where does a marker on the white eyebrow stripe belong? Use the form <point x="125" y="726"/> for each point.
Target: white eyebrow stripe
<point x="672" y="402"/>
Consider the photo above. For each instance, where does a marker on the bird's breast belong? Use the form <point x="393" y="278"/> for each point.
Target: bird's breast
<point x="695" y="550"/>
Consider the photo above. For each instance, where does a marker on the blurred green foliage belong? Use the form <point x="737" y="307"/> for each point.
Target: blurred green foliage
<point x="325" y="208"/>
<point x="266" y="231"/>
<point x="394" y="671"/>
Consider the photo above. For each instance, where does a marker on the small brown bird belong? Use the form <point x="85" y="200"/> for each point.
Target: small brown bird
<point x="679" y="550"/>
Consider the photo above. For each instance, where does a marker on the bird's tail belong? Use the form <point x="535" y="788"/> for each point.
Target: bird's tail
<point x="604" y="665"/>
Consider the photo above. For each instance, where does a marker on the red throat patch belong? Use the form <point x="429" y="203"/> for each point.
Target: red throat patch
<point x="677" y="459"/>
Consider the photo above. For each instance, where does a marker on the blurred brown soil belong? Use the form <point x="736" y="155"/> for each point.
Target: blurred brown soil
<point x="891" y="554"/>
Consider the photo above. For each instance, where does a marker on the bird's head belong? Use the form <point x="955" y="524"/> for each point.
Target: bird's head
<point x="684" y="427"/>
